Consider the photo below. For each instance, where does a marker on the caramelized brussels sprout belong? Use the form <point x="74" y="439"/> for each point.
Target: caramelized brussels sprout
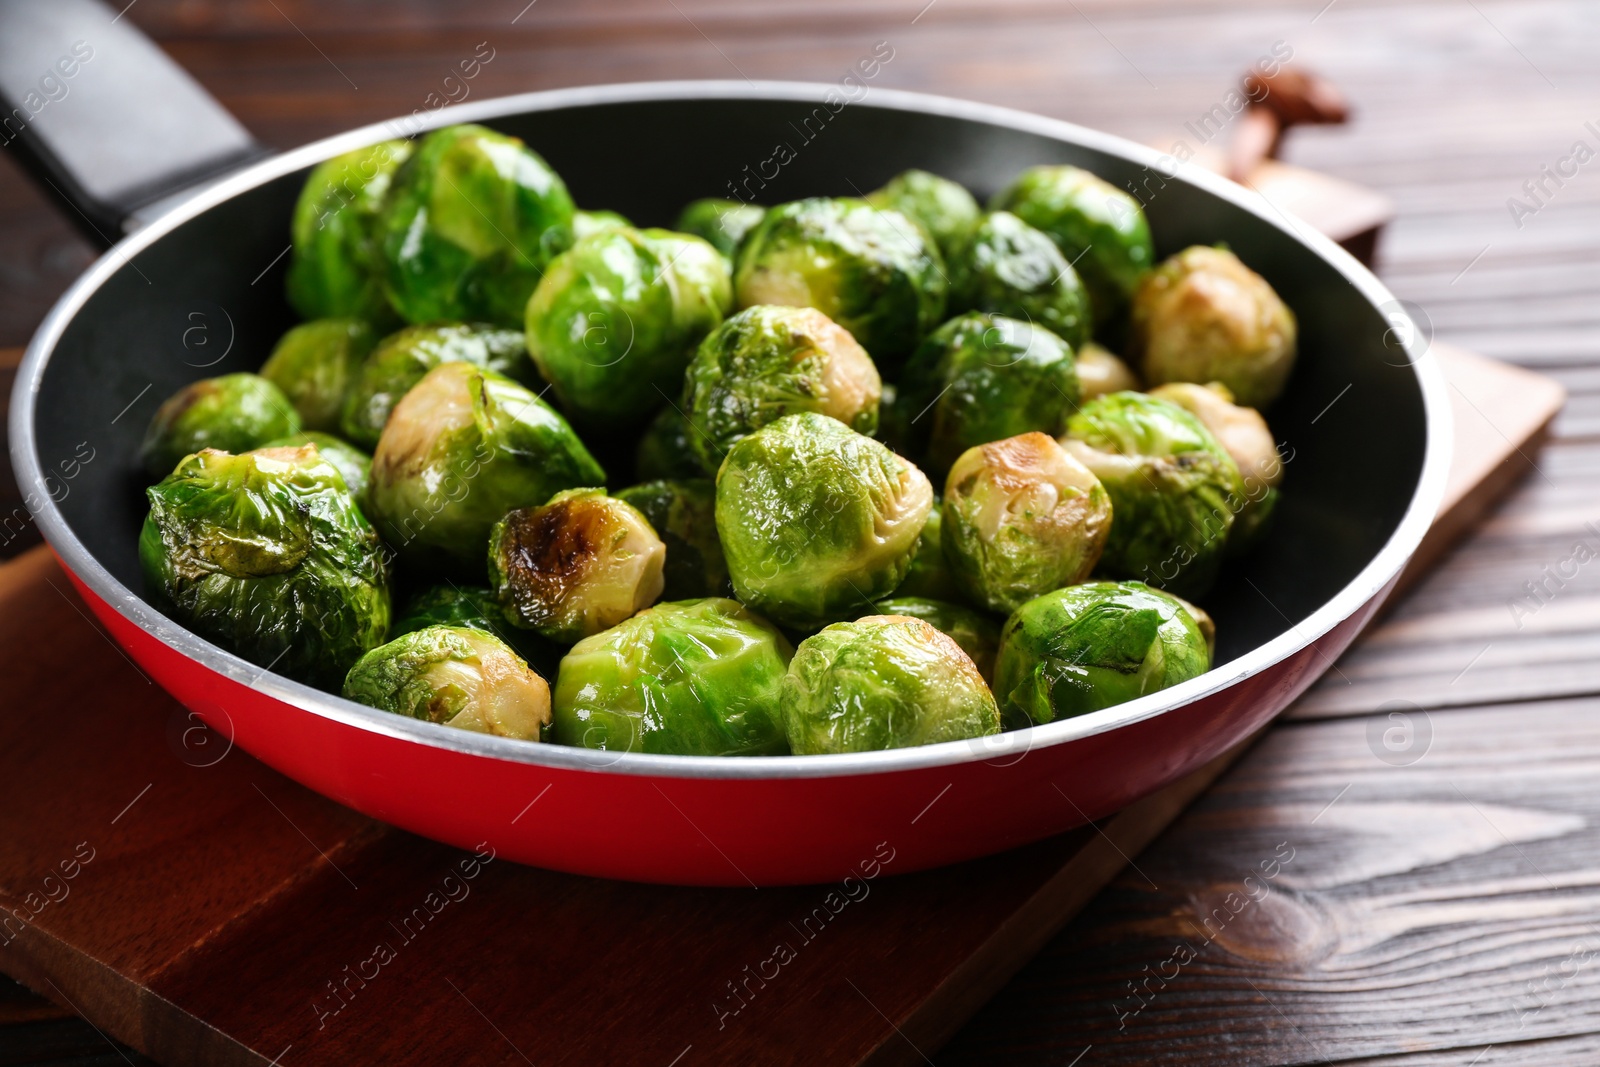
<point x="767" y="362"/>
<point x="1022" y="517"/>
<point x="574" y="566"/>
<point x="266" y="554"/>
<point x="683" y="514"/>
<point x="978" y="634"/>
<point x="1203" y="316"/>
<point x="462" y="448"/>
<point x="724" y="223"/>
<point x="1243" y="432"/>
<point x="475" y="608"/>
<point x="1087" y="647"/>
<point x="1099" y="373"/>
<point x="930" y="574"/>
<point x="1009" y="268"/>
<point x="817" y="520"/>
<point x="883" y="681"/>
<point x="873" y="272"/>
<point x="940" y="206"/>
<point x="664" y="451"/>
<point x="455" y="676"/>
<point x="616" y="317"/>
<point x="692" y="678"/>
<point x="336" y="266"/>
<point x="585" y="223"/>
<point x="315" y="363"/>
<point x="233" y="413"/>
<point x="353" y="465"/>
<point x="1174" y="489"/>
<point x="470" y="221"/>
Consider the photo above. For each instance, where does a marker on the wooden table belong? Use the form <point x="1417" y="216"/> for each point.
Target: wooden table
<point x="1441" y="909"/>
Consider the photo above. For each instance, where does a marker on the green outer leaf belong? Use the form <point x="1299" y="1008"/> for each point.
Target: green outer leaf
<point x="233" y="413"/>
<point x="315" y="363"/>
<point x="336" y="267"/>
<point x="586" y="222"/>
<point x="977" y="632"/>
<point x="683" y="513"/>
<point x="354" y="466"/>
<point x="475" y="608"/>
<point x="940" y="206"/>
<point x="1009" y="268"/>
<point x="394" y="677"/>
<point x="724" y="223"/>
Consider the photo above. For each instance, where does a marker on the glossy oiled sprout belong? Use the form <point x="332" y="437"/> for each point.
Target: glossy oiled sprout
<point x="1099" y="228"/>
<point x="817" y="520"/>
<point x="1203" y="316"/>
<point x="767" y="362"/>
<point x="1174" y="489"/>
<point x="476" y="608"/>
<point x="1100" y="372"/>
<point x="266" y="554"/>
<point x="336" y="267"/>
<point x="470" y="221"/>
<point x="981" y="378"/>
<point x="883" y="681"/>
<point x="574" y="566"/>
<point x="402" y="359"/>
<point x="455" y="676"/>
<point x="353" y="465"/>
<point x="683" y="514"/>
<point x="585" y="223"/>
<point x="464" y="447"/>
<point x="1244" y="433"/>
<point x="315" y="364"/>
<point x="930" y="574"/>
<point x="616" y="317"/>
<point x="1022" y="517"/>
<point x="1009" y="268"/>
<point x="722" y="222"/>
<point x="1091" y="646"/>
<point x="876" y="273"/>
<point x="976" y="632"/>
<point x="233" y="413"/>
<point x="691" y="678"/>
<point x="940" y="206"/>
<point x="664" y="450"/>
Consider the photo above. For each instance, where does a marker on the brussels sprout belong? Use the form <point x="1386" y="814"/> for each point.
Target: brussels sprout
<point x="315" y="363"/>
<point x="575" y="566"/>
<point x="664" y="451"/>
<point x="931" y="575"/>
<point x="1174" y="489"/>
<point x="1007" y="267"/>
<point x="464" y="447"/>
<point x="266" y="554"/>
<point x="585" y="223"/>
<point x="401" y="359"/>
<point x="353" y="465"/>
<point x="336" y="267"/>
<point x="470" y="222"/>
<point x="1202" y="620"/>
<point x="1091" y="646"/>
<point x="767" y="362"/>
<point x="940" y="206"/>
<point x="475" y="608"/>
<point x="980" y="378"/>
<point x="233" y="413"/>
<point x="616" y="317"/>
<point x="455" y="676"/>
<point x="1099" y="373"/>
<point x="1203" y="316"/>
<point x="977" y="634"/>
<point x="683" y="514"/>
<point x="692" y="678"/>
<point x="722" y="222"/>
<point x="1022" y="517"/>
<point x="873" y="272"/>
<point x="817" y="520"/>
<point x="1099" y="228"/>
<point x="883" y="681"/>
<point x="1243" y="432"/>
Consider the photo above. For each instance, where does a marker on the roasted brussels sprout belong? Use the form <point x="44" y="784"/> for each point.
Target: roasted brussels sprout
<point x="1007" y="267"/>
<point x="1174" y="489"/>
<point x="576" y="565"/>
<point x="683" y="514"/>
<point x="883" y="681"/>
<point x="875" y="273"/>
<point x="266" y="554"/>
<point x="476" y="608"/>
<point x="1087" y="647"/>
<point x="470" y="222"/>
<point x="940" y="206"/>
<point x="401" y="359"/>
<point x="462" y="448"/>
<point x="930" y="575"/>
<point x="353" y="465"/>
<point x="233" y="413"/>
<point x="724" y="223"/>
<point x="315" y="363"/>
<point x="1203" y="316"/>
<point x="817" y="520"/>
<point x="1243" y="432"/>
<point x="1022" y="517"/>
<point x="692" y="678"/>
<point x="978" y="634"/>
<point x="1099" y="228"/>
<point x="767" y="362"/>
<point x="1099" y="373"/>
<point x="336" y="267"/>
<point x="585" y="223"/>
<point x="664" y="451"/>
<point x="616" y="317"/>
<point x="980" y="378"/>
<point x="455" y="676"/>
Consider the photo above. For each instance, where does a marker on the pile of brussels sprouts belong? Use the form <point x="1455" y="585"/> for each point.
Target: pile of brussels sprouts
<point x="887" y="488"/>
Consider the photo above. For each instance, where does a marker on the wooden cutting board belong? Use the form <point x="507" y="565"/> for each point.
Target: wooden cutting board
<point x="205" y="910"/>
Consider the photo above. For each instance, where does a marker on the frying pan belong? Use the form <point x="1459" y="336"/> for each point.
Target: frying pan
<point x="1364" y="421"/>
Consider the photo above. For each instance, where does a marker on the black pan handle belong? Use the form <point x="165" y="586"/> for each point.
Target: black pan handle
<point x="103" y="118"/>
